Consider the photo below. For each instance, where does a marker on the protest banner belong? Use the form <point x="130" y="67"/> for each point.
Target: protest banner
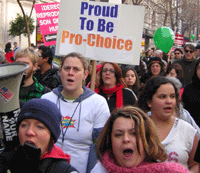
<point x="100" y="31"/>
<point x="39" y="38"/>
<point x="47" y="15"/>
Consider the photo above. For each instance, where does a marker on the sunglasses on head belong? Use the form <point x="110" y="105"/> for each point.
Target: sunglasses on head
<point x="188" y="51"/>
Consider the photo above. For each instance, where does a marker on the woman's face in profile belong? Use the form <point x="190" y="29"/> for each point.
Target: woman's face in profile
<point x="124" y="143"/>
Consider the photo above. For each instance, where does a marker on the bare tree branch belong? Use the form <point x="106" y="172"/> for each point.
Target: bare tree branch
<point x="27" y="21"/>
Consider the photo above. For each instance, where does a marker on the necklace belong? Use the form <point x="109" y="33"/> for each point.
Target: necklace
<point x="64" y="132"/>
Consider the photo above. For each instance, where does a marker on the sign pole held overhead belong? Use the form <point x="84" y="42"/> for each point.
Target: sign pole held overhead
<point x="93" y="75"/>
<point x="94" y="62"/>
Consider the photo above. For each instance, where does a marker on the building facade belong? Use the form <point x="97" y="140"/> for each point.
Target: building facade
<point x="8" y="12"/>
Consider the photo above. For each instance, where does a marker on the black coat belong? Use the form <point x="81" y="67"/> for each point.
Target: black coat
<point x="50" y="79"/>
<point x="191" y="100"/>
<point x="128" y="98"/>
<point x="23" y="161"/>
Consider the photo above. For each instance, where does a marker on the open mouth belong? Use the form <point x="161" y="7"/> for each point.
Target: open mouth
<point x="128" y="152"/>
<point x="70" y="80"/>
<point x="168" y="109"/>
<point x="30" y="143"/>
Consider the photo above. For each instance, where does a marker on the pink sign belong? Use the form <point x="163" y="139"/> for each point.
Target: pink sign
<point x="47" y="15"/>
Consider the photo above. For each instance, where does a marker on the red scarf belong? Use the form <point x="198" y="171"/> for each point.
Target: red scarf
<point x="110" y="91"/>
<point x="144" y="167"/>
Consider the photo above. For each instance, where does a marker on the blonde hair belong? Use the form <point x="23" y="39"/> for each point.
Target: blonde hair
<point x="145" y="129"/>
<point x="29" y="52"/>
<point x="75" y="55"/>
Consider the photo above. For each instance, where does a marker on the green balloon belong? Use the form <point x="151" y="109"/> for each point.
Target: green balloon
<point x="192" y="37"/>
<point x="164" y="39"/>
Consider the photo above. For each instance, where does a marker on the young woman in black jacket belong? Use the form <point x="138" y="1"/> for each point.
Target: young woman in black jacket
<point x="38" y="127"/>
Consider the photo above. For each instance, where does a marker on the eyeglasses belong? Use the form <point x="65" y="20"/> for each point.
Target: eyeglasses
<point x="188" y="51"/>
<point x="106" y="70"/>
<point x="176" y="53"/>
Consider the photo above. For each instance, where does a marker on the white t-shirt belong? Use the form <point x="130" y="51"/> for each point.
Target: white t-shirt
<point x="98" y="168"/>
<point x="179" y="142"/>
<point x="89" y="114"/>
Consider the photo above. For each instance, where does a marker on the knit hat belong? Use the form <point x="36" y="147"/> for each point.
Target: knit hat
<point x="154" y="60"/>
<point x="44" y="111"/>
<point x="178" y="49"/>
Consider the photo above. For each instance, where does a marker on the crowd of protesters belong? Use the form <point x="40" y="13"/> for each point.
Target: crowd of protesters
<point x="139" y="118"/>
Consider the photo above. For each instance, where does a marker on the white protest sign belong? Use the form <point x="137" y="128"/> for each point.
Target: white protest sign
<point x="100" y="31"/>
<point x="115" y="1"/>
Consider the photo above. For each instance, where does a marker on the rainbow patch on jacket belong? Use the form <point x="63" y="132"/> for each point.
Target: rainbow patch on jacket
<point x="67" y="122"/>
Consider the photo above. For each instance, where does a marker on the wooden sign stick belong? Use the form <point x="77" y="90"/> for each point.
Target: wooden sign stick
<point x="93" y="75"/>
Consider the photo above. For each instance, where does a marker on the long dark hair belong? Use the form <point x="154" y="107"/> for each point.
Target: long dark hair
<point x="151" y="88"/>
<point x="8" y="47"/>
<point x="136" y="86"/>
<point x="51" y="144"/>
<point x="179" y="71"/>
